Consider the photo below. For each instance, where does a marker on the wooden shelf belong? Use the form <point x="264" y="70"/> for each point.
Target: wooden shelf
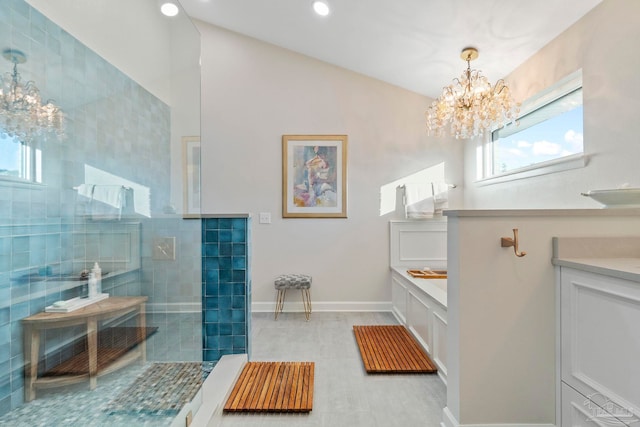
<point x="113" y="343"/>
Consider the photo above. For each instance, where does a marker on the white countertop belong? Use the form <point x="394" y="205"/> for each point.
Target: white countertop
<point x="610" y="256"/>
<point x="541" y="212"/>
<point x="623" y="268"/>
<point x="436" y="288"/>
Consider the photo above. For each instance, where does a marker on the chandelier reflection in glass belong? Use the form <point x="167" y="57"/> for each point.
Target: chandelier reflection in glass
<point x="470" y="105"/>
<point x="23" y="116"/>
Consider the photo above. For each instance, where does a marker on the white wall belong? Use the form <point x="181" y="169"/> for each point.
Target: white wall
<point x="185" y="99"/>
<point x="252" y="94"/>
<point x="604" y="45"/>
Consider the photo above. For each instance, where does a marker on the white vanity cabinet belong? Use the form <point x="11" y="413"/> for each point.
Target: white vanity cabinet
<point x="420" y="305"/>
<point x="599" y="359"/>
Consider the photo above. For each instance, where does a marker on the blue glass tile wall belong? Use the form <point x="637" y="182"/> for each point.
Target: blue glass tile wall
<point x="226" y="287"/>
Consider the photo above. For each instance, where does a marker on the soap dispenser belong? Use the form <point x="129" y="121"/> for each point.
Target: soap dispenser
<point x="92" y="286"/>
<point x="97" y="273"/>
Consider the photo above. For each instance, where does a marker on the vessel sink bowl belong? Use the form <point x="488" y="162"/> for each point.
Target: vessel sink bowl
<point x="617" y="198"/>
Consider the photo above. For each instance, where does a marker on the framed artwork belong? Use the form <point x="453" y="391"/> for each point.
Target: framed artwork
<point x="314" y="176"/>
<point x="191" y="176"/>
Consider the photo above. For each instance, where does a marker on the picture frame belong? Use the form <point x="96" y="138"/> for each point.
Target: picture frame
<point x="314" y="176"/>
<point x="191" y="176"/>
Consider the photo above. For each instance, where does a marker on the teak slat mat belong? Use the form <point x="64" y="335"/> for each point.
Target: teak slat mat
<point x="273" y="387"/>
<point x="391" y="349"/>
<point x="113" y="343"/>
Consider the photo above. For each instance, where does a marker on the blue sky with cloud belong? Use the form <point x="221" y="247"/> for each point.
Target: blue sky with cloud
<point x="554" y="138"/>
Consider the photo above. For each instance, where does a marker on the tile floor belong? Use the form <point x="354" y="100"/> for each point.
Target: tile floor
<point x="344" y="395"/>
<point x="77" y="406"/>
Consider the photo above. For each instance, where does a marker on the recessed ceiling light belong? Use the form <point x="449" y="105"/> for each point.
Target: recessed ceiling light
<point x="321" y="7"/>
<point x="169" y="8"/>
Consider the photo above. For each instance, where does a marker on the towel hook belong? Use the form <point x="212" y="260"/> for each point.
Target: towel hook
<point x="507" y="242"/>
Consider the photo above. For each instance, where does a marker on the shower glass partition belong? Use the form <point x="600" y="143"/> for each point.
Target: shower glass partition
<point x="110" y="191"/>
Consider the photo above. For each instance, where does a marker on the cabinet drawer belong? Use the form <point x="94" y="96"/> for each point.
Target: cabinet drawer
<point x="399" y="299"/>
<point x="581" y="411"/>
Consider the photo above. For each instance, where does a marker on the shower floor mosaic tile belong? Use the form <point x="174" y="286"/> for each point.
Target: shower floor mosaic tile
<point x="163" y="389"/>
<point x="76" y="405"/>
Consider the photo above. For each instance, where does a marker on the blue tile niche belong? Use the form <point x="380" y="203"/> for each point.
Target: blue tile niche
<point x="226" y="287"/>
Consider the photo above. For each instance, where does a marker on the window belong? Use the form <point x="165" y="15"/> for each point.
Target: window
<point x="547" y="137"/>
<point x="19" y="161"/>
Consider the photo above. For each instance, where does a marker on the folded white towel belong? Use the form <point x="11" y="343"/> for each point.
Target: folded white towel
<point x="85" y="190"/>
<point x="425" y="199"/>
<point x="422" y="209"/>
<point x="418" y="200"/>
<point x="415" y="192"/>
<point x="440" y="195"/>
<point x="107" y="203"/>
<point x="108" y="194"/>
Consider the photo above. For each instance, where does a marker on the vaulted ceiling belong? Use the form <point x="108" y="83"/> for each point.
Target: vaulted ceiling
<point x="414" y="44"/>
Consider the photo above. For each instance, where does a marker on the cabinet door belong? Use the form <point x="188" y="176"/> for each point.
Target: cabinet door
<point x="439" y="348"/>
<point x="419" y="320"/>
<point x="600" y="336"/>
<point x="399" y="299"/>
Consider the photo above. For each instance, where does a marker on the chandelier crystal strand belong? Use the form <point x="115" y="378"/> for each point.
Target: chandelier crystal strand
<point x="470" y="105"/>
<point x="23" y="116"/>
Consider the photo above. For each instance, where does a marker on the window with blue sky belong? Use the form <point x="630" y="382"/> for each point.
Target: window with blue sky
<point x="549" y="128"/>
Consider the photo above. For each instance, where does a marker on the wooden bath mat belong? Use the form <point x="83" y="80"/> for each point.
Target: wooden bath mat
<point x="391" y="349"/>
<point x="273" y="387"/>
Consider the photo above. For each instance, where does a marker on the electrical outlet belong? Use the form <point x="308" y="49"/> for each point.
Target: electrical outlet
<point x="164" y="248"/>
<point x="265" y="217"/>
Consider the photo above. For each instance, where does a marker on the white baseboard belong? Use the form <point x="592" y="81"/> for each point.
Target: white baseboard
<point x="266" y="307"/>
<point x="318" y="306"/>
<point x="398" y="316"/>
<point x="448" y="420"/>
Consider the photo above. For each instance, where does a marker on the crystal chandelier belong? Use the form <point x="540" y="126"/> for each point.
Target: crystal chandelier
<point x="470" y="105"/>
<point x="22" y="114"/>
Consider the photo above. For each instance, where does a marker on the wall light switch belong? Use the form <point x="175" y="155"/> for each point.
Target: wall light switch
<point x="265" y="217"/>
<point x="164" y="248"/>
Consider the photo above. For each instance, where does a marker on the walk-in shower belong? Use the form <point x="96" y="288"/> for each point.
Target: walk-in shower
<point x="110" y="190"/>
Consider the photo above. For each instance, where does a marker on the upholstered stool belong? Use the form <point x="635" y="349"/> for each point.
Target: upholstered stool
<point x="293" y="281"/>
